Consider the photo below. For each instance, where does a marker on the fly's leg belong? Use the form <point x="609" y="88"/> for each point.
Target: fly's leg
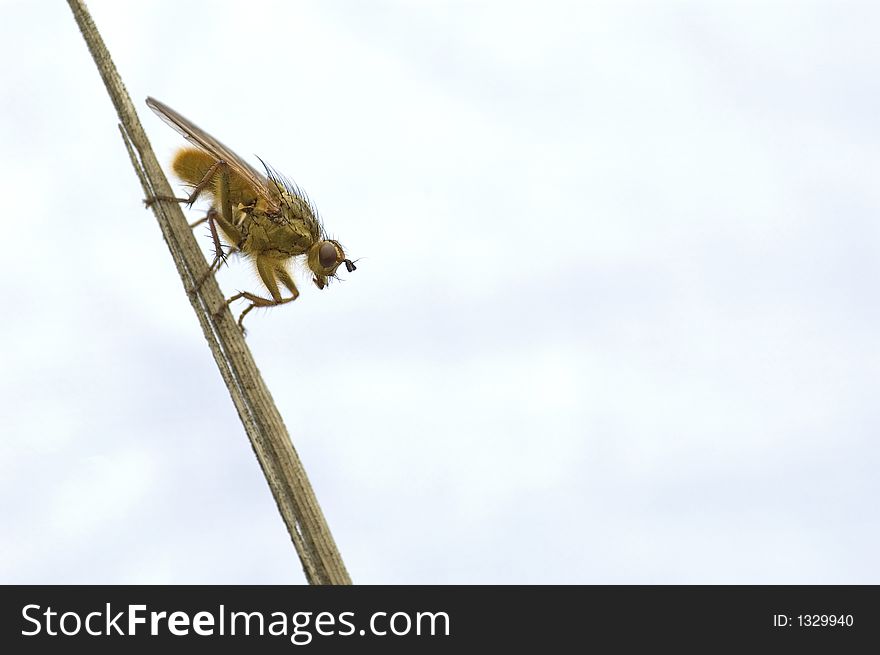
<point x="220" y="255"/>
<point x="224" y="217"/>
<point x="257" y="301"/>
<point x="211" y="218"/>
<point x="270" y="270"/>
<point x="225" y="204"/>
<point x="215" y="237"/>
<point x="197" y="190"/>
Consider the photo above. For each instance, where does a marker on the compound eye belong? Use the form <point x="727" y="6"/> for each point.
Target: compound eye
<point x="327" y="255"/>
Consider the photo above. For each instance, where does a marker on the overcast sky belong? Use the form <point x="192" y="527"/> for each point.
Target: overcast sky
<point x="615" y="318"/>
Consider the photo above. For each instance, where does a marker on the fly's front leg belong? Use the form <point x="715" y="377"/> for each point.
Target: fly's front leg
<point x="270" y="270"/>
<point x="256" y="301"/>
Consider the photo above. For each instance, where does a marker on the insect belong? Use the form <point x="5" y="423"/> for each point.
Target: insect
<point x="266" y="217"/>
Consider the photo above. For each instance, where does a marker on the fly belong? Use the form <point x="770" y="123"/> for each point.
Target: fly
<point x="264" y="216"/>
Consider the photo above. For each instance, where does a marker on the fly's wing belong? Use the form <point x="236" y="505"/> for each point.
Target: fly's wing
<point x="213" y="147"/>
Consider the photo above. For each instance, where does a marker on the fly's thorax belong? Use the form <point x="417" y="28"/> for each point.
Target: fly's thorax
<point x="265" y="235"/>
<point x="297" y="210"/>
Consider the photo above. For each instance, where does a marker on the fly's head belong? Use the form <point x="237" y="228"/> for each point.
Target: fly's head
<point x="325" y="257"/>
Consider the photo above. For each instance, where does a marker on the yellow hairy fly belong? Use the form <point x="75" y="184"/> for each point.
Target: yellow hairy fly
<point x="264" y="216"/>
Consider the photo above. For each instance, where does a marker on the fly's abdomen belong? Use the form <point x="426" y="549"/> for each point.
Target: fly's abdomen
<point x="192" y="165"/>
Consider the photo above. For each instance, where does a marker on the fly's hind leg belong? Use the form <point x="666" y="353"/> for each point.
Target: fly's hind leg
<point x="224" y="217"/>
<point x="197" y="189"/>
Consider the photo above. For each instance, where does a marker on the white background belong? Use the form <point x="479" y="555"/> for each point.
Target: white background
<point x="615" y="318"/>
